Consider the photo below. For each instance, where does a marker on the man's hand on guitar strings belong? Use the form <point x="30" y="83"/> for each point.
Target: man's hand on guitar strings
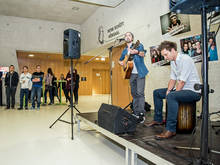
<point x="134" y="51"/>
<point x="142" y="54"/>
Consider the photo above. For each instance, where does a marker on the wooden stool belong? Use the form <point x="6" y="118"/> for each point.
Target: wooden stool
<point x="186" y="118"/>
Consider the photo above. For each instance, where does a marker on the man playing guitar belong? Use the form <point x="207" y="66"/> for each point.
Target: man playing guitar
<point x="138" y="73"/>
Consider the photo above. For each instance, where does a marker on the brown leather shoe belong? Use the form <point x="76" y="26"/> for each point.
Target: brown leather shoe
<point x="153" y="123"/>
<point x="165" y="135"/>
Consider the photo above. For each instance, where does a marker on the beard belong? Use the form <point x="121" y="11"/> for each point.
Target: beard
<point x="127" y="40"/>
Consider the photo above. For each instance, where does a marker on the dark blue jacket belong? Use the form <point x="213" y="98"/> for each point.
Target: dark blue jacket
<point x="138" y="60"/>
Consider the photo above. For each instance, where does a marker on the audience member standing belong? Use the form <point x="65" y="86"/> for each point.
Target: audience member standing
<point x="26" y="84"/>
<point x="63" y="86"/>
<point x="76" y="85"/>
<point x="55" y="89"/>
<point x="0" y="88"/>
<point x="49" y="86"/>
<point x="11" y="83"/>
<point x="68" y="86"/>
<point x="37" y="81"/>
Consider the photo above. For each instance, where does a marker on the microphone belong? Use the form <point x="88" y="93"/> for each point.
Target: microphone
<point x="120" y="39"/>
<point x="198" y="87"/>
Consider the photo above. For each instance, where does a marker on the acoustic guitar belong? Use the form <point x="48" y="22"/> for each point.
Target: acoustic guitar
<point x="128" y="62"/>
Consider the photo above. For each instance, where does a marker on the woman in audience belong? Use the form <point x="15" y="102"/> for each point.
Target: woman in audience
<point x="76" y="85"/>
<point x="63" y="82"/>
<point x="49" y="86"/>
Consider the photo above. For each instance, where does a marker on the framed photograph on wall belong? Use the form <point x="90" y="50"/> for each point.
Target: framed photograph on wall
<point x="156" y="58"/>
<point x="192" y="46"/>
<point x="173" y="24"/>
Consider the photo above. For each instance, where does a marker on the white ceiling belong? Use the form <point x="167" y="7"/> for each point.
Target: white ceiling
<point x="106" y="3"/>
<point x="52" y="10"/>
<point x="68" y="11"/>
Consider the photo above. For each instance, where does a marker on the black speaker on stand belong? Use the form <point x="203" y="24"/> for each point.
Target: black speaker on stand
<point x="200" y="7"/>
<point x="71" y="50"/>
<point x="71" y="44"/>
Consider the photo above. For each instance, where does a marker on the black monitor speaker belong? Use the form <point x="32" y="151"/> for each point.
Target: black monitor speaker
<point x="116" y="119"/>
<point x="71" y="44"/>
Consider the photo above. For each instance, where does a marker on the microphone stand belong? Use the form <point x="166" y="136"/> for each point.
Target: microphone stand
<point x="120" y="39"/>
<point x="94" y="57"/>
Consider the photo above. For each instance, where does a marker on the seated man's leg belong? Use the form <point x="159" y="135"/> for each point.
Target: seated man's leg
<point x="158" y="96"/>
<point x="173" y="100"/>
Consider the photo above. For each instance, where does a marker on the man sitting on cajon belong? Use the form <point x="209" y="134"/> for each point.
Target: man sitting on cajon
<point x="183" y="77"/>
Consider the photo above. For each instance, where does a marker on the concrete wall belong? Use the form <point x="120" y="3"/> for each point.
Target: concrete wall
<point x="142" y="17"/>
<point x="29" y="35"/>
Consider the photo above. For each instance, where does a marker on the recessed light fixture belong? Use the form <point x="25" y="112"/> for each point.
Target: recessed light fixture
<point x="30" y="55"/>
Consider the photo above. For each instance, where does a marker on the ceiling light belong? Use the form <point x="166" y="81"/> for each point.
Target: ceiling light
<point x="103" y="59"/>
<point x="96" y="58"/>
<point x="31" y="55"/>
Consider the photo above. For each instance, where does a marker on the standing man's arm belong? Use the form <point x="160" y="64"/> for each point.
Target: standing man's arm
<point x="6" y="79"/>
<point x="123" y="54"/>
<point x="16" y="78"/>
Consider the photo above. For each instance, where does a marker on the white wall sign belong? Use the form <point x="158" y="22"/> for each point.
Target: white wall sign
<point x="114" y="31"/>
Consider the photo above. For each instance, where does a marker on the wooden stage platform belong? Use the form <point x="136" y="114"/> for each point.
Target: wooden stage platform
<point x="160" y="152"/>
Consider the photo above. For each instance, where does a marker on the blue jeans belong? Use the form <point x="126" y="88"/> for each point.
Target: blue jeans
<point x="173" y="99"/>
<point x="137" y="91"/>
<point x="50" y="89"/>
<point x="36" y="91"/>
<point x="24" y="92"/>
<point x="10" y="96"/>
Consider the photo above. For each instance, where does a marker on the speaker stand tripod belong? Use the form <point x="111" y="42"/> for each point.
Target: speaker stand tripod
<point x="70" y="107"/>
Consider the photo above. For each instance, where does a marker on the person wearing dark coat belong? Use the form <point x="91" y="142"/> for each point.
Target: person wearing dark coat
<point x="11" y="83"/>
<point x="75" y="85"/>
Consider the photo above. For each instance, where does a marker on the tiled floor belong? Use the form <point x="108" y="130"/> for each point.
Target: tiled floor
<point x="26" y="139"/>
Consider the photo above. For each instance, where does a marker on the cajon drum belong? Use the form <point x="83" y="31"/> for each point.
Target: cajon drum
<point x="186" y="118"/>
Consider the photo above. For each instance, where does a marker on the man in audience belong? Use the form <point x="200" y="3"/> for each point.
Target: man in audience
<point x="26" y="84"/>
<point x="37" y="82"/>
<point x="11" y="83"/>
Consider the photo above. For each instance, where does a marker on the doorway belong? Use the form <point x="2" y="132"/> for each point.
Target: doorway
<point x="100" y="81"/>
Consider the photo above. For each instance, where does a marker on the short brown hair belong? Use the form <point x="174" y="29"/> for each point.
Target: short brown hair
<point x="25" y="67"/>
<point x="131" y="34"/>
<point x="168" y="45"/>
